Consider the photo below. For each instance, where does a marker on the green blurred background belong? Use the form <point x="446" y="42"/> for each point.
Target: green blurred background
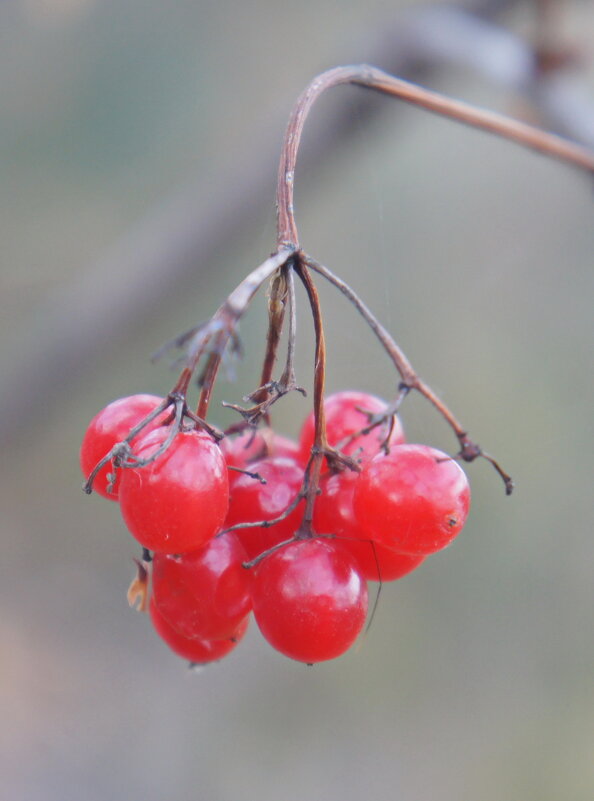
<point x="475" y="680"/>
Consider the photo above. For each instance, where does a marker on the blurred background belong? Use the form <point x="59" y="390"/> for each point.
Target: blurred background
<point x="138" y="151"/>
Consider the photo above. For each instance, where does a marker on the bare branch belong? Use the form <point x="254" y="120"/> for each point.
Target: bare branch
<point x="113" y="294"/>
<point x="373" y="78"/>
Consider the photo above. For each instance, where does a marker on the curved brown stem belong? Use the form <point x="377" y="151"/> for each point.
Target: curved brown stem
<point x="372" y="78"/>
<point x="320" y="445"/>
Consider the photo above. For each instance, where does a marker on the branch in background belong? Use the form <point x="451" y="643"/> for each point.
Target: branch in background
<point x="146" y="268"/>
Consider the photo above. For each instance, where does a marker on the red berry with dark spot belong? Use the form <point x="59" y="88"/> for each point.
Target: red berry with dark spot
<point x="334" y="515"/>
<point x="414" y="500"/>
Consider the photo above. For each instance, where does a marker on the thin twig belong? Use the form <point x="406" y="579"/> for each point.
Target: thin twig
<point x="288" y="377"/>
<point x="276" y="315"/>
<point x="469" y="450"/>
<point x="243" y="471"/>
<point x="266" y="523"/>
<point x="121" y="450"/>
<point x="373" y="78"/>
<point x="129" y="459"/>
<point x="320" y="443"/>
<point x="279" y="545"/>
<point x="224" y="321"/>
<point x="376" y="419"/>
<point x="268" y="394"/>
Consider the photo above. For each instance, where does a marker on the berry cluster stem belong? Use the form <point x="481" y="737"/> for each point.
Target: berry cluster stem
<point x="373" y="78"/>
<point x="209" y="341"/>
<point x="277" y="301"/>
<point x="214" y="336"/>
<point x="320" y="445"/>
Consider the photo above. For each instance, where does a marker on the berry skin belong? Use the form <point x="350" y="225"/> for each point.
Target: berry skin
<point x="204" y="594"/>
<point x="343" y="418"/>
<point x="111" y="425"/>
<point x="244" y="448"/>
<point x="333" y="514"/>
<point x="251" y="501"/>
<point x="285" y="448"/>
<point x="178" y="502"/>
<point x="200" y="652"/>
<point x="241" y="451"/>
<point x="309" y="600"/>
<point x="414" y="500"/>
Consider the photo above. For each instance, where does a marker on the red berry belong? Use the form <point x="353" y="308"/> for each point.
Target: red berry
<point x="309" y="600"/>
<point x="198" y="651"/>
<point x="414" y="500"/>
<point x="112" y="425"/>
<point x="178" y="502"/>
<point x="252" y="501"/>
<point x="244" y="448"/>
<point x="343" y="418"/>
<point x="204" y="594"/>
<point x="241" y="451"/>
<point x="285" y="448"/>
<point x="333" y="514"/>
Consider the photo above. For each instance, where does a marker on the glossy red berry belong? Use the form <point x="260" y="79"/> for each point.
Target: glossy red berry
<point x="334" y="514"/>
<point x="204" y="594"/>
<point x="251" y="501"/>
<point x="285" y="448"/>
<point x="200" y="652"/>
<point x="242" y="450"/>
<point x="414" y="500"/>
<point x="309" y="600"/>
<point x="179" y="501"/>
<point x="344" y="418"/>
<point x="111" y="425"/>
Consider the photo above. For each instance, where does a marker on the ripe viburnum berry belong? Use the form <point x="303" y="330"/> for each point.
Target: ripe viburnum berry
<point x="251" y="446"/>
<point x="111" y="425"/>
<point x="198" y="651"/>
<point x="179" y="501"/>
<point x="310" y="602"/>
<point x="334" y="514"/>
<point x="251" y="501"/>
<point x="204" y="594"/>
<point x="345" y="415"/>
<point x="414" y="499"/>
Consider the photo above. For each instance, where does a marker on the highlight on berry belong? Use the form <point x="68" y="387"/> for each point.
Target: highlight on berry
<point x="224" y="532"/>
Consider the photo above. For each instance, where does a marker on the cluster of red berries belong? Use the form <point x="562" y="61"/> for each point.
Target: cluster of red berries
<point x="309" y="596"/>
